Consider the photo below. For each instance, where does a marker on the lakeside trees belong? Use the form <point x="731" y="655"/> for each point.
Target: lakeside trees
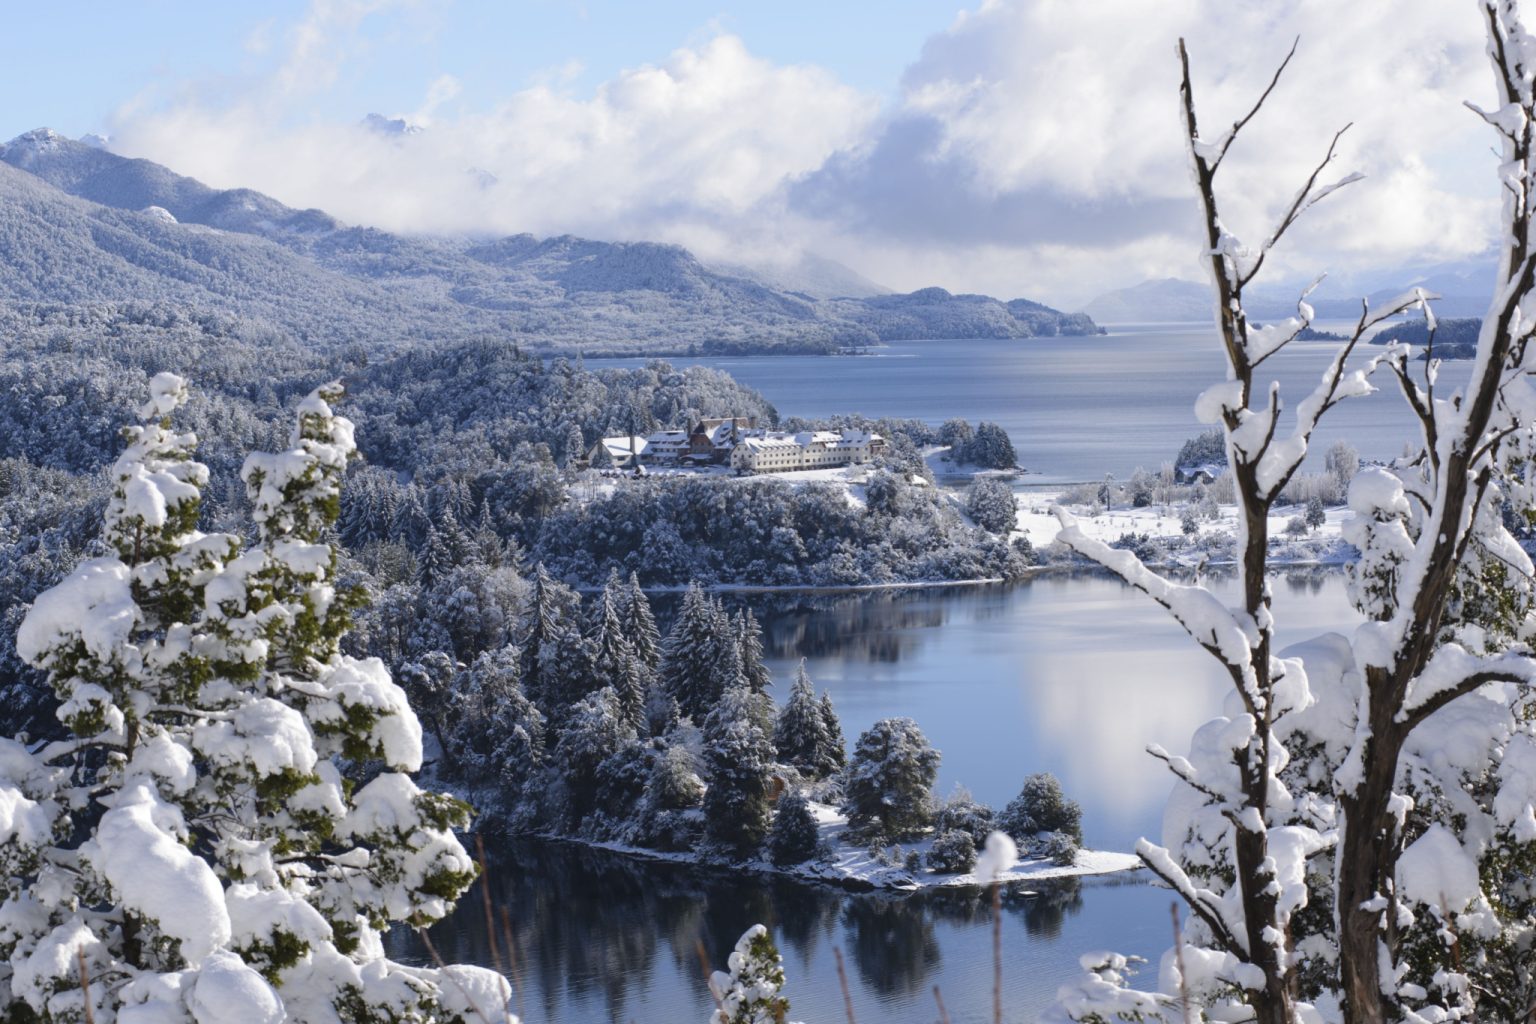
<point x="1306" y="831"/>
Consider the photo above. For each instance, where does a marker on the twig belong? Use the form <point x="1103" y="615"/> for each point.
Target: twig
<point x="842" y="979"/>
<point x="1178" y="957"/>
<point x="427" y="941"/>
<point x="943" y="1013"/>
<point x="85" y="985"/>
<point x="485" y="898"/>
<point x="698" y="946"/>
<point x="513" y="961"/>
<point x="997" y="952"/>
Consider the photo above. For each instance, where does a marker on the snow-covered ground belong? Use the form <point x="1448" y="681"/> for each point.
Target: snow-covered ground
<point x="1037" y="522"/>
<point x="852" y="866"/>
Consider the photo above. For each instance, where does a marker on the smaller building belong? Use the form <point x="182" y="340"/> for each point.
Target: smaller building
<point x="622" y="451"/>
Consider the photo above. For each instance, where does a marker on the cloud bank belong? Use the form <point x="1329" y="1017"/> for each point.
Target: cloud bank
<point x="1032" y="148"/>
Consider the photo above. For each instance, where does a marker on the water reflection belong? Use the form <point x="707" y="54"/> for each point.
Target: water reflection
<point x="1070" y="674"/>
<point x="1074" y="675"/>
<point x="601" y="937"/>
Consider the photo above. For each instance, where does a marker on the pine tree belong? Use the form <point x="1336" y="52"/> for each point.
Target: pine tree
<point x="837" y="747"/>
<point x="540" y="627"/>
<point x="573" y="449"/>
<point x="749" y="992"/>
<point x="614" y="662"/>
<point x="737" y="761"/>
<point x="794" y="836"/>
<point x="801" y="736"/>
<point x="890" y="779"/>
<point x="701" y="657"/>
<point x="640" y="625"/>
<point x="215" y="851"/>
<point x="594" y="731"/>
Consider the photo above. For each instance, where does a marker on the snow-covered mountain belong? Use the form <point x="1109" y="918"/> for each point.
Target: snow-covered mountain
<point x="86" y="224"/>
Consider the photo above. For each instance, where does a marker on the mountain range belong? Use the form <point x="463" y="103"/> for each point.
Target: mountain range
<point x="80" y="224"/>
<point x="1463" y="287"/>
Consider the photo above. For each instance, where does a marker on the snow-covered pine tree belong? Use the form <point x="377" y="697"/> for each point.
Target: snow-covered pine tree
<point x="193" y="847"/>
<point x="614" y="661"/>
<point x="800" y="735"/>
<point x="889" y="789"/>
<point x="594" y="730"/>
<point x="701" y="655"/>
<point x="737" y="761"/>
<point x="793" y="836"/>
<point x="540" y="626"/>
<point x="640" y="625"/>
<point x="837" y="747"/>
<point x="748" y="991"/>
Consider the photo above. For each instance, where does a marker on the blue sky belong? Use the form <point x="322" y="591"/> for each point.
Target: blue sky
<point x="91" y="58"/>
<point x="1014" y="147"/>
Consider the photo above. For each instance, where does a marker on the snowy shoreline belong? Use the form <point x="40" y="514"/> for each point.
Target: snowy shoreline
<point x="853" y="869"/>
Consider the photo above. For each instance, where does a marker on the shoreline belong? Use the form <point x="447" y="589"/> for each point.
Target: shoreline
<point x="851" y="869"/>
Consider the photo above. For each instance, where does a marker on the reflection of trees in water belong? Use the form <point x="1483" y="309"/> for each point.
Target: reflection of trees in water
<point x="891" y="942"/>
<point x="594" y="925"/>
<point x="1308" y="581"/>
<point x="588" y="923"/>
<point x="1044" y="912"/>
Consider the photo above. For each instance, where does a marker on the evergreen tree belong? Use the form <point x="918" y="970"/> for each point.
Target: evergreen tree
<point x="737" y="762"/>
<point x="1041" y="806"/>
<point x="614" y="662"/>
<point x="640" y="625"/>
<point x="890" y="780"/>
<point x="837" y="747"/>
<point x="218" y="853"/>
<point x="595" y="730"/>
<point x="701" y="657"/>
<point x="749" y="992"/>
<point x="573" y="450"/>
<point x="437" y="559"/>
<point x="794" y="836"/>
<point x="801" y="736"/>
<point x="1315" y="515"/>
<point x="541" y="624"/>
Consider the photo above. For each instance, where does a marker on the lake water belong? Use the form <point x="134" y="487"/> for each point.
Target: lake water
<point x="1076" y="408"/>
<point x="1073" y="675"/>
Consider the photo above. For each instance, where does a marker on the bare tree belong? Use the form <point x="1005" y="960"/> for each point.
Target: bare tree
<point x="1447" y="594"/>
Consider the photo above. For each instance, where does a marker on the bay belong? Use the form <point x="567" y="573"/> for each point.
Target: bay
<point x="1075" y="408"/>
<point x="1070" y="674"/>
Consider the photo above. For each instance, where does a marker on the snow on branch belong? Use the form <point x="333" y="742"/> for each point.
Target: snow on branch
<point x="1453" y="672"/>
<point x="1204" y="903"/>
<point x="1211" y="623"/>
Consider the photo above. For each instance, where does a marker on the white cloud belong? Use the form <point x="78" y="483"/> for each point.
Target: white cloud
<point x="708" y="134"/>
<point x="1034" y="149"/>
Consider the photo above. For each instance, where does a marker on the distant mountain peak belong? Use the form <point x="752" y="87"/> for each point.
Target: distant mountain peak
<point x="391" y="125"/>
<point x="38" y="140"/>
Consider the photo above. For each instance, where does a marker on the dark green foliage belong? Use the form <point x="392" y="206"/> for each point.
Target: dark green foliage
<point x="802" y="735"/>
<point x="952" y="853"/>
<point x="794" y="837"/>
<point x="737" y="761"/>
<point x="962" y="813"/>
<point x="1205" y="449"/>
<point x="1041" y="806"/>
<point x="889" y="781"/>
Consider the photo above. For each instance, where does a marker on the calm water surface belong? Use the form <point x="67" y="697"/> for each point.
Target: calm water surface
<point x="1074" y="675"/>
<point x="1076" y="408"/>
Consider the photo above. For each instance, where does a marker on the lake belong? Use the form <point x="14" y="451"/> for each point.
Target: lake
<point x="1071" y="674"/>
<point x="1076" y="408"/>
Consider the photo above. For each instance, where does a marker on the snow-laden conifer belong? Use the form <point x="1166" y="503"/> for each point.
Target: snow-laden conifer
<point x="738" y="758"/>
<point x="801" y="735"/>
<point x="888" y="792"/>
<point x="193" y="846"/>
<point x="748" y="991"/>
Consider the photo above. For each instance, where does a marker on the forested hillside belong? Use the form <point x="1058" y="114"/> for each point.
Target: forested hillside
<point x="78" y="223"/>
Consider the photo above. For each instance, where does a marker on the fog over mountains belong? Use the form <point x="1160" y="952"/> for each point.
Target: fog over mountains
<point x="79" y="224"/>
<point x="1463" y="287"/>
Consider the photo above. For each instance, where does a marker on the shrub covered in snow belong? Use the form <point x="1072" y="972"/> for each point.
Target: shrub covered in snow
<point x="748" y="992"/>
<point x="202" y="845"/>
<point x="1041" y="806"/>
<point x="953" y="852"/>
<point x="991" y="504"/>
